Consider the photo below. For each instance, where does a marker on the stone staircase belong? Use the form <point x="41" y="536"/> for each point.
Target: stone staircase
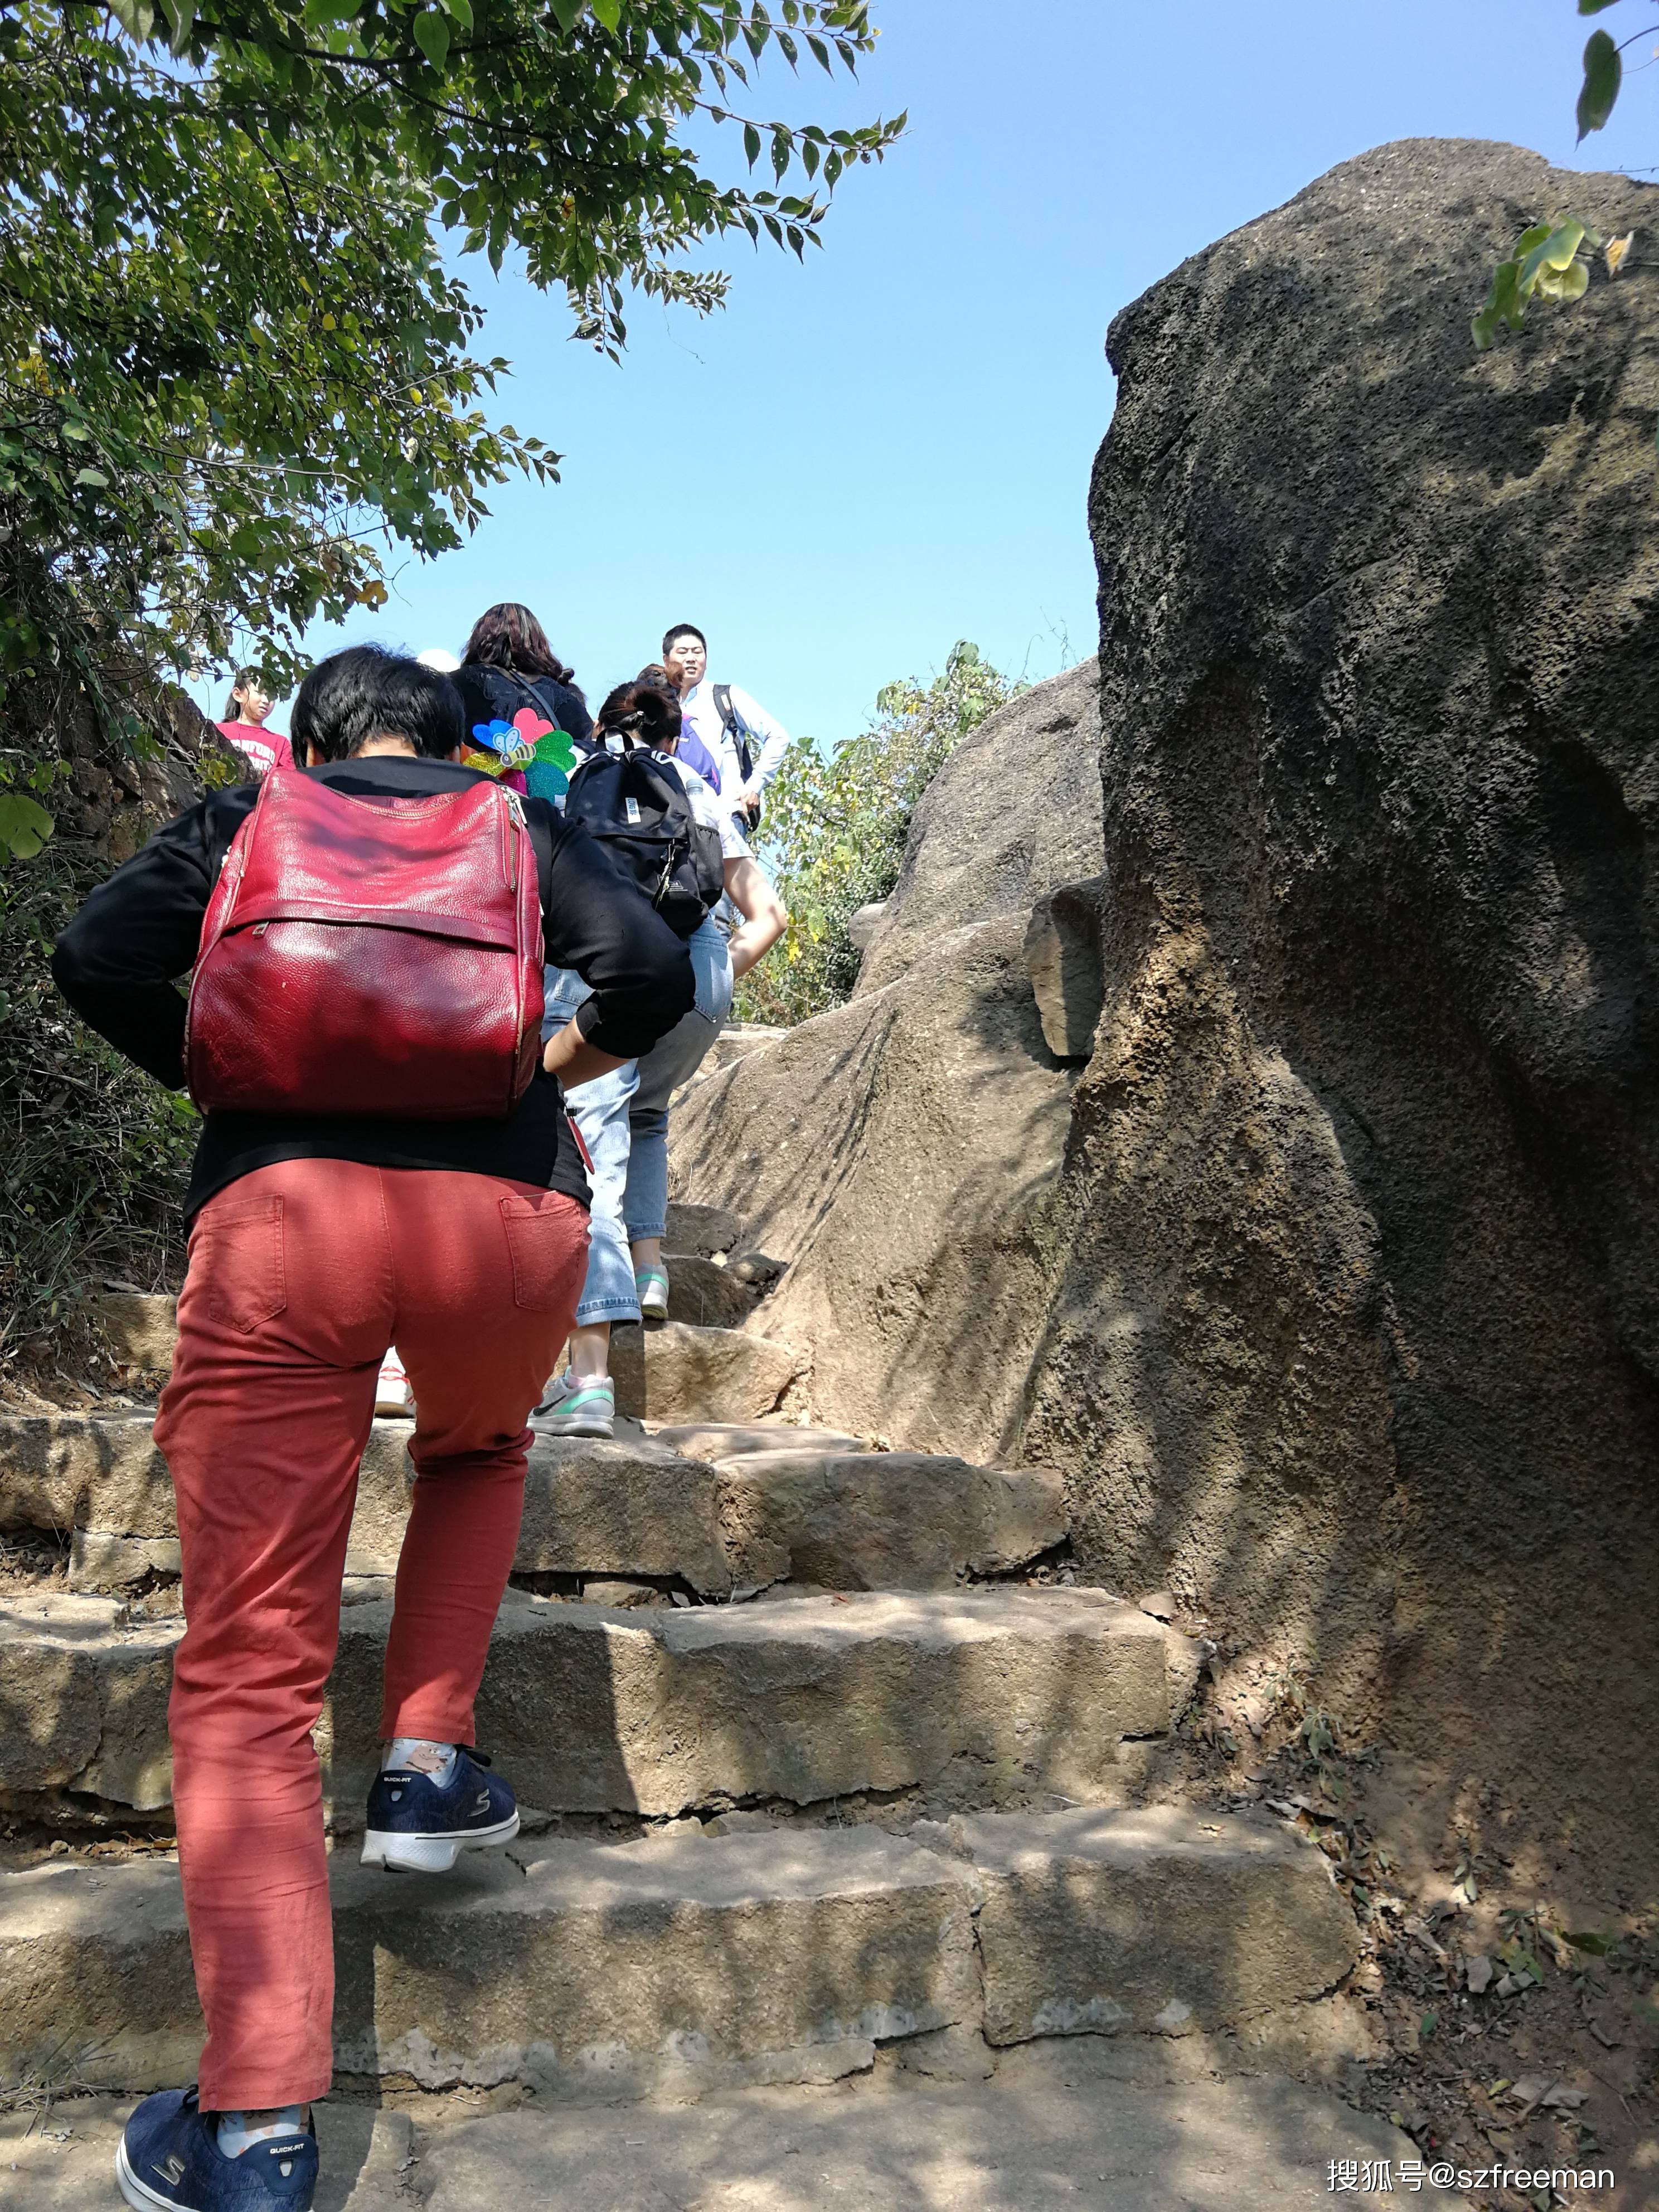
<point x="820" y="1747"/>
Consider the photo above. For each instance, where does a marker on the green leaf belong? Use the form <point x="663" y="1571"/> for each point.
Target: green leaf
<point x="1569" y="283"/>
<point x="431" y="29"/>
<point x="459" y="12"/>
<point x="1554" y="251"/>
<point x="1589" y="1938"/>
<point x="1595" y="7"/>
<point x="24" y="826"/>
<point x="93" y="477"/>
<point x="566" y="12"/>
<point x="1503" y="304"/>
<point x="751" y="143"/>
<point x="608" y="12"/>
<point x="1604" y="70"/>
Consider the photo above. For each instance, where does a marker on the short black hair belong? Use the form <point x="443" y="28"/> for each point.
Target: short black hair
<point x="682" y="629"/>
<point x="367" y="692"/>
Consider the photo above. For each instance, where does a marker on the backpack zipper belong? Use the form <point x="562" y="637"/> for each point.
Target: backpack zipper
<point x="516" y="820"/>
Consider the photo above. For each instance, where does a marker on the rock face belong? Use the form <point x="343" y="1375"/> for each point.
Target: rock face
<point x="1358" y="1341"/>
<point x="898" y="1152"/>
<point x="1014" y="811"/>
<point x="1332" y="1284"/>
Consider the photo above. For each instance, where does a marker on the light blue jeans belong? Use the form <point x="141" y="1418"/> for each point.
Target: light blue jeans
<point x="624" y="1119"/>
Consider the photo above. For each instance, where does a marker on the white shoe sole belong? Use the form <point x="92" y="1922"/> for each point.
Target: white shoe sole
<point x="136" y="2194"/>
<point x="431" y="1854"/>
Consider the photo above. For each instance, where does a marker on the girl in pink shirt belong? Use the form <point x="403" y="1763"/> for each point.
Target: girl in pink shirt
<point x="245" y="711"/>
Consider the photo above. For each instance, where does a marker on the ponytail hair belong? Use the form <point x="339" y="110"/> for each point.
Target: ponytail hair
<point x="642" y="712"/>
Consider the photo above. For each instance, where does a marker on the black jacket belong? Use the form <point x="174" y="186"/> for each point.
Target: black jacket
<point x="490" y="695"/>
<point x="117" y="961"/>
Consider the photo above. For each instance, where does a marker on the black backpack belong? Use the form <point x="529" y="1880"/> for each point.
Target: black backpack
<point x="635" y="804"/>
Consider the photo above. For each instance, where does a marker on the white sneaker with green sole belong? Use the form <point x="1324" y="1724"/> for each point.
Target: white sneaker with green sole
<point x="574" y="1407"/>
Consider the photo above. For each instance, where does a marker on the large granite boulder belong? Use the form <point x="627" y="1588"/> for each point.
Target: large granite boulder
<point x="1357" y="1344"/>
<point x="898" y="1152"/>
<point x="1332" y="1283"/>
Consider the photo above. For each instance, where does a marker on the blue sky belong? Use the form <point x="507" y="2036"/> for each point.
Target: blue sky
<point x="863" y="460"/>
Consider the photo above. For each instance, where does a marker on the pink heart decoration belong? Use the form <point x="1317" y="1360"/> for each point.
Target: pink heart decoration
<point x="530" y="726"/>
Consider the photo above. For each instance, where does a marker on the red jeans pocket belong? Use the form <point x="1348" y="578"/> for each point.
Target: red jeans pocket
<point x="236" y="1252"/>
<point x="547" y="1237"/>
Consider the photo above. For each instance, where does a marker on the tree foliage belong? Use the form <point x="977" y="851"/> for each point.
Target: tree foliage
<point x="1551" y="259"/>
<point x="234" y="365"/>
<point x="835" y="827"/>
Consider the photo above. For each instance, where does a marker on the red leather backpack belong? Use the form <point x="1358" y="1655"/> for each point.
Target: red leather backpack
<point x="370" y="956"/>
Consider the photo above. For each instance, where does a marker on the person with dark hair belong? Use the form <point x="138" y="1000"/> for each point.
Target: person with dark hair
<point x="246" y="712"/>
<point x="690" y="750"/>
<point x="747" y="744"/>
<point x="509" y="666"/>
<point x="623" y="1115"/>
<point x="314" y="1236"/>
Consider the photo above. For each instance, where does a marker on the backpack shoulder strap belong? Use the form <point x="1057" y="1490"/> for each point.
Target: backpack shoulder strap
<point x="735" y="728"/>
<point x="531" y="687"/>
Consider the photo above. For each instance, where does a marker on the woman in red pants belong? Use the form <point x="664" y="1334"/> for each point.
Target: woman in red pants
<point x="315" y="1239"/>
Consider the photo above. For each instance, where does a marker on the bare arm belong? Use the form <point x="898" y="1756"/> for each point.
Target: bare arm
<point x="569" y="1056"/>
<point x="764" y="918"/>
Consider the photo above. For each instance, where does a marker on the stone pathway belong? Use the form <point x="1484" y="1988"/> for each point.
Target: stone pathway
<point x="829" y="1779"/>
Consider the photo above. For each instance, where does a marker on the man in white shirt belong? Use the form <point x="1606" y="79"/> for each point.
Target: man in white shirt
<point x="745" y="739"/>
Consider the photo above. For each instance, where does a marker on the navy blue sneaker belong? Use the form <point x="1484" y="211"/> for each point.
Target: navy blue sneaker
<point x="168" y="2160"/>
<point x="414" y="1825"/>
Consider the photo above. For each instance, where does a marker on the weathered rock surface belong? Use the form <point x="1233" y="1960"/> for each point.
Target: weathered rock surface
<point x="1055" y="2128"/>
<point x="1350" y="1228"/>
<point x="707" y="1296"/>
<point x="1014" y="811"/>
<point x="899" y="1153"/>
<point x="591" y="1507"/>
<point x="141" y="1327"/>
<point x="682" y="1963"/>
<point x="1094" y="1922"/>
<point x="678" y="1373"/>
<point x="1363" y="1182"/>
<point x="1062" y="957"/>
<point x="877" y="1521"/>
<point x="989" y="1697"/>
<point x="702" y="1231"/>
<point x="714" y="1440"/>
<point x="611" y="1971"/>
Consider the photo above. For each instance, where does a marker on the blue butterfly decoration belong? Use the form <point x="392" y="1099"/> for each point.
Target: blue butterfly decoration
<point x="501" y="738"/>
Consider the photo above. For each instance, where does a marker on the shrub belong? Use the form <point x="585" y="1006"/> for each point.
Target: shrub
<point x="834" y="832"/>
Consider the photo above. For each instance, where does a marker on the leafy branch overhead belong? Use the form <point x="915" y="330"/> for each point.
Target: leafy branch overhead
<point x="1548" y="261"/>
<point x="236" y="363"/>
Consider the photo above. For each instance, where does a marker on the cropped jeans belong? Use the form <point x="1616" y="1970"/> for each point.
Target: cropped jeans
<point x="624" y="1120"/>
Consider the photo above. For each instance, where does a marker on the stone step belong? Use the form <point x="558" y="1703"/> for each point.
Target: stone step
<point x="990" y="1697"/>
<point x="686" y="1964"/>
<point x="631" y="1507"/>
<point x="720" y="1516"/>
<point x="679" y="1373"/>
<point x="718" y="1440"/>
<point x="142" y="1327"/>
<point x="875" y="1521"/>
<point x="936" y="2127"/>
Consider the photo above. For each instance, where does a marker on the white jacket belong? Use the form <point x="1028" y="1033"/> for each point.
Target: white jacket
<point x="768" y="739"/>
